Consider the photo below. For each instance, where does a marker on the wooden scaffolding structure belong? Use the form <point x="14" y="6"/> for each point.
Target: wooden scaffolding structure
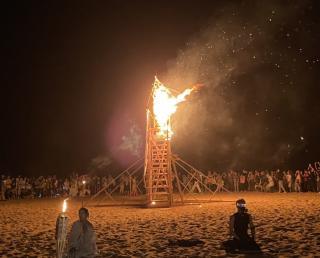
<point x="158" y="174"/>
<point x="161" y="169"/>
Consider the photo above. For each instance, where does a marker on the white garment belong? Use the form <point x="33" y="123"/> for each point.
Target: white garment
<point x="83" y="239"/>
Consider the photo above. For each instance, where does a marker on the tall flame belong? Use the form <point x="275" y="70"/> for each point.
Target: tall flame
<point x="165" y="105"/>
<point x="64" y="205"/>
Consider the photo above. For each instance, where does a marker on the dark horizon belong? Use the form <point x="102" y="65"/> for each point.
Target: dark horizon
<point x="76" y="78"/>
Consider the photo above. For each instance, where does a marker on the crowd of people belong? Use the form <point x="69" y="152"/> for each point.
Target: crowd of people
<point x="74" y="186"/>
<point x="307" y="180"/>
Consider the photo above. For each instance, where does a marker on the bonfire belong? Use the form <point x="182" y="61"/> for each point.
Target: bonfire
<point x="165" y="104"/>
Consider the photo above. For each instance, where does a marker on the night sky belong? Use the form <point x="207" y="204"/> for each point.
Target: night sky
<point x="76" y="78"/>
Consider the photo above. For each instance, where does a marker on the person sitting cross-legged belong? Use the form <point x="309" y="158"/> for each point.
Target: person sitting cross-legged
<point x="239" y="224"/>
<point x="82" y="240"/>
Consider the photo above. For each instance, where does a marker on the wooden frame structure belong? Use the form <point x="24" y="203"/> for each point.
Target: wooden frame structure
<point x="180" y="168"/>
<point x="161" y="169"/>
<point x="157" y="167"/>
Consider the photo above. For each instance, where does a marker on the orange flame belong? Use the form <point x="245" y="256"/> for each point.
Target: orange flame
<point x="165" y="105"/>
<point x="64" y="205"/>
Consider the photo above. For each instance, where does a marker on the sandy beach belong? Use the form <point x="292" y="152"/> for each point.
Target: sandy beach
<point x="287" y="225"/>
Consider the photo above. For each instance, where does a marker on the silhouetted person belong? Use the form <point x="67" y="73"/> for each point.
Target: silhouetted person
<point x="239" y="224"/>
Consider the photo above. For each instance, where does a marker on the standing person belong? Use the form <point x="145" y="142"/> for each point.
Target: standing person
<point x="17" y="188"/>
<point x="56" y="186"/>
<point x="97" y="183"/>
<point x="235" y="181"/>
<point x="265" y="179"/>
<point x="82" y="239"/>
<point x="289" y="180"/>
<point x="313" y="179"/>
<point x="280" y="181"/>
<point x="122" y="184"/>
<point x="219" y="182"/>
<point x="312" y="182"/>
<point x="242" y="182"/>
<point x="43" y="187"/>
<point x="29" y="190"/>
<point x="73" y="192"/>
<point x="214" y="181"/>
<point x="317" y="169"/>
<point x="134" y="187"/>
<point x="209" y="180"/>
<point x="305" y="181"/>
<point x="8" y="188"/>
<point x="257" y="182"/>
<point x="195" y="186"/>
<point x="229" y="184"/>
<point x="318" y="181"/>
<point x="270" y="183"/>
<point x="198" y="178"/>
<point x="251" y="182"/>
<point x="185" y="181"/>
<point x="66" y="187"/>
<point x="238" y="227"/>
<point x="22" y="187"/>
<point x="3" y="188"/>
<point x="127" y="185"/>
<point x="111" y="182"/>
<point x="105" y="182"/>
<point x="297" y="182"/>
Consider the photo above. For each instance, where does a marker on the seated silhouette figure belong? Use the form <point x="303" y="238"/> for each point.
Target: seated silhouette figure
<point x="239" y="223"/>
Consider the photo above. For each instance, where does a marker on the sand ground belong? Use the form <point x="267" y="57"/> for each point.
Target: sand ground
<point x="287" y="225"/>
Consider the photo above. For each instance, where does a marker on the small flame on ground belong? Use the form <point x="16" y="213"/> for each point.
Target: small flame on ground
<point x="165" y="105"/>
<point x="64" y="205"/>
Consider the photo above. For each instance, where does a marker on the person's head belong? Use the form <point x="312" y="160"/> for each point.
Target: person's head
<point x="241" y="205"/>
<point x="83" y="214"/>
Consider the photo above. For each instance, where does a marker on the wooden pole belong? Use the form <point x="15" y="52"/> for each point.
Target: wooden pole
<point x="103" y="189"/>
<point x="178" y="180"/>
<point x="195" y="177"/>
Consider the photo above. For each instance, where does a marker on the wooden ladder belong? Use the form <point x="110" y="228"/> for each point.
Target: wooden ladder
<point x="160" y="169"/>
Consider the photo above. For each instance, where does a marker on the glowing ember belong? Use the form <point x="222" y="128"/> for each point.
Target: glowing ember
<point x="64" y="205"/>
<point x="165" y="105"/>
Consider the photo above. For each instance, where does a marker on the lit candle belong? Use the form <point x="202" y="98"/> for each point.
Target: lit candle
<point x="61" y="230"/>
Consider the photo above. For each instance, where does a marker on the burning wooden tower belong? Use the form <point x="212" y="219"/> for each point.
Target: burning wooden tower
<point x="158" y="168"/>
<point x="160" y="164"/>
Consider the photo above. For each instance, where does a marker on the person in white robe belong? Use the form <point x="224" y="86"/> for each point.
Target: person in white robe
<point x="82" y="239"/>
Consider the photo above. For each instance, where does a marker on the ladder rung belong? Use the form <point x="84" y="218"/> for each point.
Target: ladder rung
<point x="160" y="193"/>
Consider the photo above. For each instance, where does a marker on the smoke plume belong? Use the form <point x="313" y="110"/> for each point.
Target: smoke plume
<point x="245" y="58"/>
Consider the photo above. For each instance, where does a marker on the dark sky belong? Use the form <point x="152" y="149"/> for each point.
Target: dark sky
<point x="76" y="76"/>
